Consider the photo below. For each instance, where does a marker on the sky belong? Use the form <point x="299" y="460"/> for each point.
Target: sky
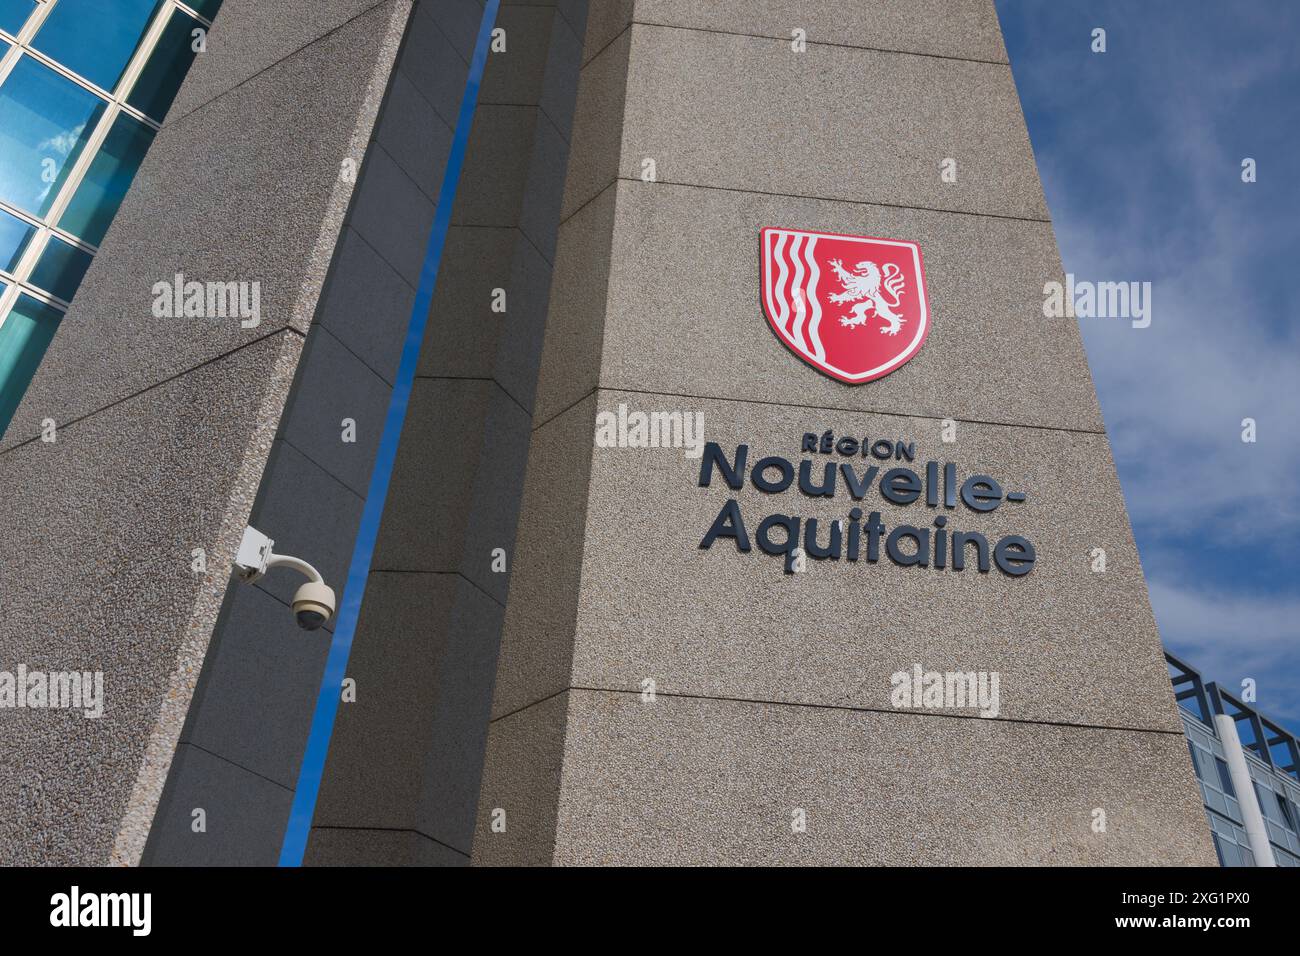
<point x="1140" y="151"/>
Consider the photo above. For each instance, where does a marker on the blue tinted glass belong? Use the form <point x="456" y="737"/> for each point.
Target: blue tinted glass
<point x="60" y="269"/>
<point x="1225" y="778"/>
<point x="95" y="38"/>
<point x="95" y="202"/>
<point x="1285" y="808"/>
<point x="1269" y="812"/>
<point x="24" y="335"/>
<point x="205" y="8"/>
<point x="14" y="236"/>
<point x="161" y="78"/>
<point x="14" y="13"/>
<point x="44" y="122"/>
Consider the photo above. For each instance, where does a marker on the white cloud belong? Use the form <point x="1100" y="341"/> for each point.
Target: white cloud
<point x="1229" y="637"/>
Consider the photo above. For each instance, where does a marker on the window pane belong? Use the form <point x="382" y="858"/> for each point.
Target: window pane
<point x="205" y="8"/>
<point x="14" y="13"/>
<point x="161" y="78"/>
<point x="24" y="336"/>
<point x="1285" y="809"/>
<point x="1268" y="808"/>
<point x="60" y="269"/>
<point x="95" y="202"/>
<point x="93" y="38"/>
<point x="1225" y="778"/>
<point x="44" y="122"/>
<point x="14" y="236"/>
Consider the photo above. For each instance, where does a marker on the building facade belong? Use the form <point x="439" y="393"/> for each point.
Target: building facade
<point x="1248" y="768"/>
<point x="460" y="301"/>
<point x="85" y="87"/>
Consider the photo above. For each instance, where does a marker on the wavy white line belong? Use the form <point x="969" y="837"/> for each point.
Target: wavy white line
<point x="814" y="324"/>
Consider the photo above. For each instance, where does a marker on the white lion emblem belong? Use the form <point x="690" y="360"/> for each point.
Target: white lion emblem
<point x="871" y="292"/>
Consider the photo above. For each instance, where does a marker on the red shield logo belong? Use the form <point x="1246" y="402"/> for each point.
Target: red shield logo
<point x="852" y="307"/>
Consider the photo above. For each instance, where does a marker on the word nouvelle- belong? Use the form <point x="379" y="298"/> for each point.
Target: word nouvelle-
<point x="854" y="538"/>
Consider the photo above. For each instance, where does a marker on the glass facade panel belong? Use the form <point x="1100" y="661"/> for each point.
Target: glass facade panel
<point x="205" y="8"/>
<point x="14" y="13"/>
<point x="60" y="269"/>
<point x="24" y="336"/>
<point x="162" y="76"/>
<point x="1284" y="809"/>
<point x="101" y="192"/>
<point x="94" y="38"/>
<point x="44" y="122"/>
<point x="1225" y="778"/>
<point x="14" y="236"/>
<point x="48" y="116"/>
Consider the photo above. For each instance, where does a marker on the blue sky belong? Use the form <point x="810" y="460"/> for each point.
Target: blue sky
<point x="1140" y="152"/>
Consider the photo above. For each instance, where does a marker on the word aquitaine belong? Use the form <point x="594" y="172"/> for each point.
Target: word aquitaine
<point x="858" y="538"/>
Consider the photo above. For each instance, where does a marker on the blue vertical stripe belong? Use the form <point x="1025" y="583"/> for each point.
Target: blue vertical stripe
<point x="327" y="703"/>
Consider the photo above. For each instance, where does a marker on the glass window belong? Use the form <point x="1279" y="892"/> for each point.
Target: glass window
<point x="162" y="76"/>
<point x="205" y="8"/>
<point x="1285" y="808"/>
<point x="95" y="39"/>
<point x="44" y="122"/>
<point x="1196" y="764"/>
<point x="60" y="269"/>
<point x="24" y="335"/>
<point x="1225" y="778"/>
<point x="104" y="186"/>
<point x="14" y="236"/>
<point x="1268" y="807"/>
<point x="14" y="13"/>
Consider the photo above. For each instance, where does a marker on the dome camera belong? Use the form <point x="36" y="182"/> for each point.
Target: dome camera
<point x="313" y="604"/>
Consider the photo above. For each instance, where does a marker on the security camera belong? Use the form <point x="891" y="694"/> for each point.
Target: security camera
<point x="313" y="604"/>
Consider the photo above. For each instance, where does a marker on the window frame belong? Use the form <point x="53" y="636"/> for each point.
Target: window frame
<point x="17" y="281"/>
